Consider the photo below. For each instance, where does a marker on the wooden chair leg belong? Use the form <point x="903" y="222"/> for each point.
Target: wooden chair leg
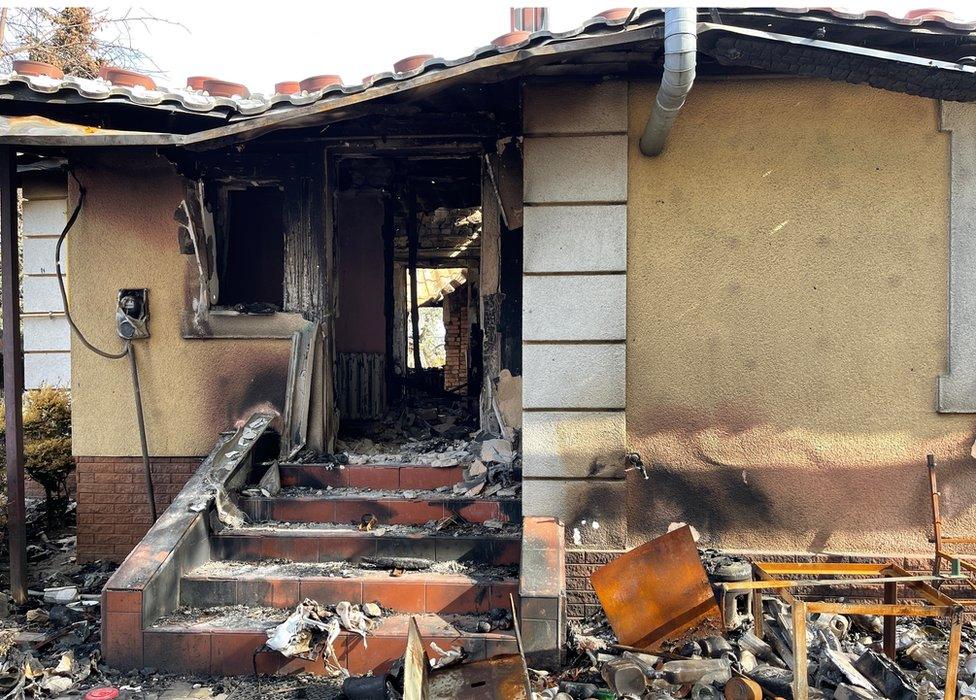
<point x="952" y="659"/>
<point x="890" y="598"/>
<point x="800" y="689"/>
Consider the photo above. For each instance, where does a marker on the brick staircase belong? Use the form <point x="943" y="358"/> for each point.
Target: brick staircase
<point x="194" y="598"/>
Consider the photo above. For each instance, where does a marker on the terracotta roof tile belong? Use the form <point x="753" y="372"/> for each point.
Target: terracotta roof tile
<point x="235" y="100"/>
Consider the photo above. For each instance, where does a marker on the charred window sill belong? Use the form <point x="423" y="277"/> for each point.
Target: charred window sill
<point x="225" y="323"/>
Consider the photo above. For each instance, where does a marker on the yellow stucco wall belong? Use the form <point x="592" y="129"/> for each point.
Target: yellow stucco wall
<point x="787" y="274"/>
<point x="192" y="389"/>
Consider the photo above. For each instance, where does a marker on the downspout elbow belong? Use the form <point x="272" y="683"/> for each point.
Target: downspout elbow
<point x="680" y="57"/>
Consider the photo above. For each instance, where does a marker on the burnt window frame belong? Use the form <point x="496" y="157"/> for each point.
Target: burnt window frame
<point x="222" y="219"/>
<point x="202" y="317"/>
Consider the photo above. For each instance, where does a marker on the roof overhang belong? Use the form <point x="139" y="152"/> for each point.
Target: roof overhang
<point x="638" y="36"/>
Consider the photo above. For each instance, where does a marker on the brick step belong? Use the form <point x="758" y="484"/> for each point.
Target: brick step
<point x="371" y="476"/>
<point x="389" y="507"/>
<point x="276" y="585"/>
<point x="223" y="642"/>
<point x="332" y="542"/>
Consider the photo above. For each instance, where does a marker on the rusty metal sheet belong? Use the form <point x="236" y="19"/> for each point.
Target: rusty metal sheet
<point x="657" y="592"/>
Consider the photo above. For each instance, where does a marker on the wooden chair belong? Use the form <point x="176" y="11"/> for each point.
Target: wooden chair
<point x="957" y="563"/>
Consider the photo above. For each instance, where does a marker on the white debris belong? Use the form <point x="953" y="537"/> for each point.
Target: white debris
<point x="227" y="511"/>
<point x="295" y="636"/>
<point x="61" y="595"/>
<point x="446" y="658"/>
<point x="270" y="483"/>
<point x="497" y="450"/>
<point x="677" y="526"/>
<point x="352" y="619"/>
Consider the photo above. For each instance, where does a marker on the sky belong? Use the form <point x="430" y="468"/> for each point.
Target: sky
<point x="259" y="45"/>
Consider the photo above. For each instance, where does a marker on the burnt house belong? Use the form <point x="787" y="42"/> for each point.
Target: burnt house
<point x="734" y="244"/>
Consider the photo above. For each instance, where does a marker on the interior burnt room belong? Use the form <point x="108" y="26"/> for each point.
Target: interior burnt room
<point x="421" y="264"/>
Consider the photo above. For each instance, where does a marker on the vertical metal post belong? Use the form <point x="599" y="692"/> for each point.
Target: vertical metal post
<point x="13" y="374"/>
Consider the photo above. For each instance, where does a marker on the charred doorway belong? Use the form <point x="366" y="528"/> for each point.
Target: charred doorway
<point x="409" y="257"/>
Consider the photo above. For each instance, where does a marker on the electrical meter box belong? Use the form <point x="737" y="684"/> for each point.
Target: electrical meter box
<point x="132" y="314"/>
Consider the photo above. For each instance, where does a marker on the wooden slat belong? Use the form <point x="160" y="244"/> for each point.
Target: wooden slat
<point x="783" y="593"/>
<point x="818" y="568"/>
<point x="772" y="584"/>
<point x="904" y="610"/>
<point x="952" y="657"/>
<point x="800" y="681"/>
<point x="888" y="633"/>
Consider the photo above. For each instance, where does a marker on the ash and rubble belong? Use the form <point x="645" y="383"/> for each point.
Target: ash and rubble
<point x="436" y="433"/>
<point x="845" y="657"/>
<point x="281" y="568"/>
<point x="50" y="647"/>
<point x="455" y="528"/>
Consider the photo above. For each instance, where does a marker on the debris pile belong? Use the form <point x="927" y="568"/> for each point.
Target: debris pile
<point x="312" y="629"/>
<point x="845" y="662"/>
<point x="427" y="430"/>
<point x="612" y="655"/>
<point x="436" y="433"/>
<point x="51" y="645"/>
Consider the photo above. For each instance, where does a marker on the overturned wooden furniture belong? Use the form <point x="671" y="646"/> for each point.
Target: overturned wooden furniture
<point x="957" y="562"/>
<point x="933" y="604"/>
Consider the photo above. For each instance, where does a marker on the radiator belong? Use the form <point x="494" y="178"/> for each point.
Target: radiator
<point x="361" y="380"/>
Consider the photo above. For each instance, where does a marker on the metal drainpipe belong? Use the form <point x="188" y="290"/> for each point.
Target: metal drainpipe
<point x="680" y="56"/>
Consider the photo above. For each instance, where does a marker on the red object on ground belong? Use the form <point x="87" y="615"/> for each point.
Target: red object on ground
<point x="102" y="694"/>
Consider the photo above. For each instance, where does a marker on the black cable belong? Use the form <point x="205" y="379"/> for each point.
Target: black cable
<point x="140" y="419"/>
<point x="127" y="350"/>
<point x="64" y="293"/>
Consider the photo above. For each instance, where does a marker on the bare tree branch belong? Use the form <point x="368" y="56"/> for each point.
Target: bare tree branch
<point x="79" y="40"/>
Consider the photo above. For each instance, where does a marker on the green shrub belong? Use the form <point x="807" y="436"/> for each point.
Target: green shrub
<point x="47" y="437"/>
<point x="47" y="414"/>
<point x="49" y="462"/>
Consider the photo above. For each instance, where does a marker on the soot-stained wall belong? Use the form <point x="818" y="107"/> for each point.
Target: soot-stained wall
<point x="786" y="317"/>
<point x="125" y="236"/>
